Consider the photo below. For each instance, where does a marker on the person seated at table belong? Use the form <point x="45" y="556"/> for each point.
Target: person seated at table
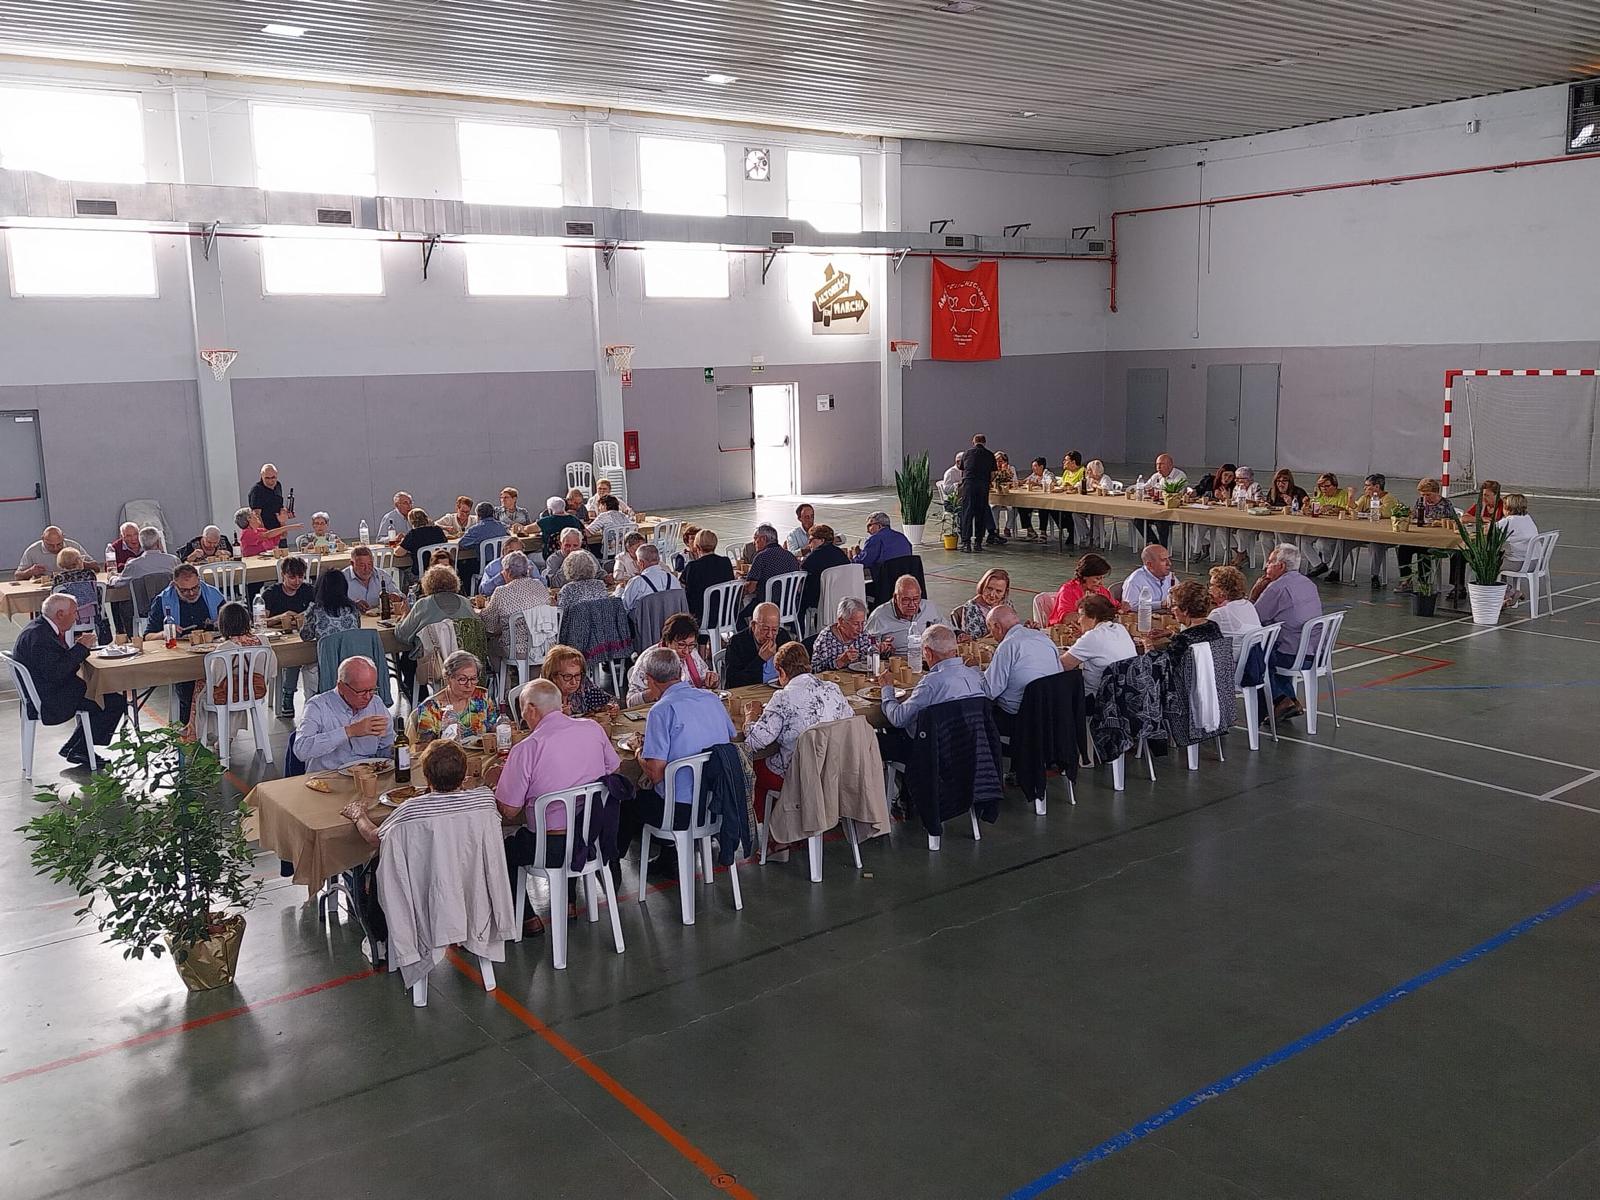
<point x="610" y="509"/>
<point x="1433" y="507"/>
<point x="558" y="753"/>
<point x="1284" y="596"/>
<point x="152" y="560"/>
<point x="971" y="620"/>
<point x="602" y="488"/>
<point x="82" y="583"/>
<point x="570" y="544"/>
<point x="235" y="633"/>
<point x="1328" y="499"/>
<point x="580" y="581"/>
<point x="366" y="583"/>
<point x="556" y="518"/>
<point x="460" y="520"/>
<point x="1214" y="487"/>
<point x="53" y="658"/>
<point x="1284" y="493"/>
<point x="1191" y="609"/>
<point x="396" y="522"/>
<point x="460" y="703"/>
<point x="883" y="543"/>
<point x="1154" y="488"/>
<point x="520" y="591"/>
<point x="905" y="610"/>
<point x="192" y="604"/>
<point x="511" y="514"/>
<point x="331" y="611"/>
<point x="348" y="723"/>
<point x="1489" y="503"/>
<point x="321" y="539"/>
<point x="847" y="641"/>
<point x="706" y="569"/>
<point x="286" y="602"/>
<point x="487" y="527"/>
<point x="1231" y="609"/>
<point x="751" y="653"/>
<point x="1038" y="479"/>
<point x="125" y="549"/>
<point x="678" y="559"/>
<point x="680" y="633"/>
<point x="803" y="701"/>
<point x="211" y="546"/>
<point x="1088" y="579"/>
<point x="254" y="537"/>
<point x="822" y="554"/>
<point x="683" y="721"/>
<point x="1091" y="528"/>
<point x="493" y="573"/>
<point x="799" y="539"/>
<point x="947" y="678"/>
<point x="652" y="578"/>
<point x="578" y="505"/>
<point x="1153" y="577"/>
<point x="441" y="600"/>
<point x="1021" y="656"/>
<point x="566" y="667"/>
<point x="1101" y="641"/>
<point x="1521" y="534"/>
<point x="626" y="564"/>
<point x="422" y="534"/>
<point x="771" y="560"/>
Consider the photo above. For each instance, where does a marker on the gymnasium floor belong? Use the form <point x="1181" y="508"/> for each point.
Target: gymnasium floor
<point x="1046" y="1006"/>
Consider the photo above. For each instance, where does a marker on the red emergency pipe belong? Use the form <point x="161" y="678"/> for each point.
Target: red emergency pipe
<point x="1328" y="187"/>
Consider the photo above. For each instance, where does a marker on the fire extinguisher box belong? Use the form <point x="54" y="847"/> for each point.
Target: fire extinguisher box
<point x="630" y="449"/>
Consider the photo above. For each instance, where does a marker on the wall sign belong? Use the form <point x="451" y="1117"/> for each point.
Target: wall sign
<point x="965" y="321"/>
<point x="839" y="307"/>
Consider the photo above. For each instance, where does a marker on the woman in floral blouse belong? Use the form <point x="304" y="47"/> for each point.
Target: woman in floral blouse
<point x="564" y="666"/>
<point x="971" y="620"/>
<point x="461" y="703"/>
<point x="847" y="641"/>
<point x="1433" y="507"/>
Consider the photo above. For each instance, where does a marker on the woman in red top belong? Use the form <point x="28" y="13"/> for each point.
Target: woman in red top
<point x="1088" y="579"/>
<point x="1488" y="501"/>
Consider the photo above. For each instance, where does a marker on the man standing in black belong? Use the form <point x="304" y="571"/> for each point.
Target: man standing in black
<point x="266" y="497"/>
<point x="977" y="472"/>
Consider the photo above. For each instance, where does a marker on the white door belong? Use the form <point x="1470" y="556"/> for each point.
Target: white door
<point x="23" y="510"/>
<point x="772" y="413"/>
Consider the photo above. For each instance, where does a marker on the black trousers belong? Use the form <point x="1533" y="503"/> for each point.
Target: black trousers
<point x="1155" y="532"/>
<point x="185" y="693"/>
<point x="103" y="721"/>
<point x="522" y="851"/>
<point x="894" y="745"/>
<point x="646" y="808"/>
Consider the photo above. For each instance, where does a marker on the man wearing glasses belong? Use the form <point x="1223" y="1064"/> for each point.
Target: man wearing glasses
<point x="347" y="724"/>
<point x="191" y="605"/>
<point x="883" y="542"/>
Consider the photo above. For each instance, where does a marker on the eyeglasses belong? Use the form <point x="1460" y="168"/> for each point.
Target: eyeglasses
<point x="569" y="676"/>
<point x="465" y="677"/>
<point x="355" y="691"/>
<point x="189" y="593"/>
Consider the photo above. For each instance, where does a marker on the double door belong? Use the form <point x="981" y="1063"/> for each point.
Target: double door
<point x="1242" y="415"/>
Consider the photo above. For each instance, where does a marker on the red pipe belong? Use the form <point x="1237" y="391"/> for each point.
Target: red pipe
<point x="1328" y="187"/>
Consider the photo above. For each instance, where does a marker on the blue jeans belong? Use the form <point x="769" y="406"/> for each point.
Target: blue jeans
<point x="1282" y="685"/>
<point x="288" y="684"/>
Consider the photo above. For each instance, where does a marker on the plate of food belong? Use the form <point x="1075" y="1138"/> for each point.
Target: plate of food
<point x="380" y="766"/>
<point x="116" y="651"/>
<point x="396" y="796"/>
<point x="319" y="782"/>
<point x="1259" y="512"/>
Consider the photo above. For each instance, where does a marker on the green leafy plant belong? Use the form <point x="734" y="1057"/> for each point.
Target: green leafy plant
<point x="1422" y="570"/>
<point x="1174" y="489"/>
<point x="1396" y="509"/>
<point x="914" y="488"/>
<point x="148" y="844"/>
<point x="952" y="511"/>
<point x="1484" y="549"/>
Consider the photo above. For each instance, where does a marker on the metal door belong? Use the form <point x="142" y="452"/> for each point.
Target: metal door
<point x="1222" y="414"/>
<point x="1258" y="416"/>
<point x="24" y="511"/>
<point x="1147" y="414"/>
<point x="735" y="443"/>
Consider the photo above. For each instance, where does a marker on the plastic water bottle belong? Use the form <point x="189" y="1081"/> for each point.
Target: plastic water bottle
<point x="366" y="534"/>
<point x="914" y="646"/>
<point x="258" y="614"/>
<point x="1144" y="610"/>
<point x="1373" y="509"/>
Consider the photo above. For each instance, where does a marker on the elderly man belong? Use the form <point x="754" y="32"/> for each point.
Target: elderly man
<point x="947" y="678"/>
<point x="799" y="537"/>
<point x="1154" y="578"/>
<point x="40" y="558"/>
<point x="652" y="577"/>
<point x="952" y="476"/>
<point x="770" y="560"/>
<point x="347" y="724"/>
<point x="559" y="752"/>
<point x="125" y="549"/>
<point x="396" y="522"/>
<point x="488" y="527"/>
<point x="151" y="560"/>
<point x="895" y="619"/>
<point x="367" y="583"/>
<point x="266" y="498"/>
<point x="683" y="720"/>
<point x="571" y="542"/>
<point x="1022" y="656"/>
<point x="191" y="604"/>
<point x="846" y="641"/>
<point x="883" y="543"/>
<point x="321" y="539"/>
<point x="211" y="546"/>
<point x="52" y="659"/>
<point x="511" y="514"/>
<point x="752" y="650"/>
<point x="493" y="573"/>
<point x="1284" y="596"/>
<point x="557" y="520"/>
<point x="1157" y="532"/>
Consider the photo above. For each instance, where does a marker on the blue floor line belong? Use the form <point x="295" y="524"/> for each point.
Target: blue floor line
<point x="1493" y="687"/>
<point x="1355" y="1016"/>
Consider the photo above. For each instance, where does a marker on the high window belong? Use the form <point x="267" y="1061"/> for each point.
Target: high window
<point x="825" y="189"/>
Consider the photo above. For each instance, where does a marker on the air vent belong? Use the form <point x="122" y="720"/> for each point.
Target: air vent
<point x="580" y="229"/>
<point x="1097" y="247"/>
<point x="334" y="216"/>
<point x="95" y="208"/>
<point x="782" y="237"/>
<point x="954" y="242"/>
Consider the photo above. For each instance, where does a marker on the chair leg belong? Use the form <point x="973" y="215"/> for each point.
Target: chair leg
<point x="977" y="834"/>
<point x="1333" y="700"/>
<point x="733" y="878"/>
<point x="1039" y="806"/>
<point x="88" y="741"/>
<point x="814" y="856"/>
<point x="1221" y="757"/>
<point x="933" y="842"/>
<point x="1308" y="689"/>
<point x="520" y="900"/>
<point x="258" y="726"/>
<point x="419" y="993"/>
<point x="706" y="866"/>
<point x="854" y="839"/>
<point x="558" y="917"/>
<point x="686" y="855"/>
<point x="1252" y="719"/>
<point x="591" y="892"/>
<point x="1119" y="773"/>
<point x="29" y="730"/>
<point x="611" y="903"/>
<point x="224" y="735"/>
<point x="1149" y="759"/>
<point x="1272" y="711"/>
<point x="1191" y="755"/>
<point x="486" y="969"/>
<point x="645" y="838"/>
<point x="1072" y="794"/>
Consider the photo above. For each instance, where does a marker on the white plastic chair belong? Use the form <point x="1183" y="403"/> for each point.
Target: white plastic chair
<point x="1043" y="603"/>
<point x="686" y="841"/>
<point x="784" y="591"/>
<point x="613" y="539"/>
<point x="22" y="680"/>
<point x="1315" y="660"/>
<point x="589" y="796"/>
<point x="227" y="578"/>
<point x="813" y="843"/>
<point x="580" y="475"/>
<point x="719" y="614"/>
<point x="1266" y="638"/>
<point x="235" y="666"/>
<point x="1536" y="567"/>
<point x="618" y="478"/>
<point x="838" y="583"/>
<point x="427" y="552"/>
<point x="892" y="773"/>
<point x="537" y="645"/>
<point x="607" y="457"/>
<point x="383" y="557"/>
<point x="419" y="989"/>
<point x="313" y="564"/>
<point x="668" y="536"/>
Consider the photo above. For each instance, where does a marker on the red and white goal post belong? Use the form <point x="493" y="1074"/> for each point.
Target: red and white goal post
<point x="1533" y="428"/>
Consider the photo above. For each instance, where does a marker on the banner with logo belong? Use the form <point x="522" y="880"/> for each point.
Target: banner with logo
<point x="966" y="312"/>
<point x="838" y="305"/>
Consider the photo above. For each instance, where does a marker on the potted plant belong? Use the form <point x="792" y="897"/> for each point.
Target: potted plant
<point x="952" y="519"/>
<point x="1423" y="597"/>
<point x="155" y="853"/>
<point x="915" y="490"/>
<point x="1173" y="494"/>
<point x="1399" y="517"/>
<point x="1485" y="551"/>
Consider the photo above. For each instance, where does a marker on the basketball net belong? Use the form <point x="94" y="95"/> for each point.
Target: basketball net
<point x="619" y="358"/>
<point x="906" y="350"/>
<point x="219" y="361"/>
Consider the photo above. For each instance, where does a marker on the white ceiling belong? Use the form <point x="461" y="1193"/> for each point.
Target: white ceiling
<point x="1102" y="75"/>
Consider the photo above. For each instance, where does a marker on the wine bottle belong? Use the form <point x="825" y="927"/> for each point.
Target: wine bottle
<point x="402" y="754"/>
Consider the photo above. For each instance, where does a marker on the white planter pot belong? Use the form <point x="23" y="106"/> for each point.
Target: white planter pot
<point x="1486" y="602"/>
<point x="914" y="536"/>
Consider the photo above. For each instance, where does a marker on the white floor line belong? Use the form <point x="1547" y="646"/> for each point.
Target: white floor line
<point x="1567" y="787"/>
<point x="1567" y="637"/>
<point x="1389" y="637"/>
<point x="1414" y="650"/>
<point x="1437" y="737"/>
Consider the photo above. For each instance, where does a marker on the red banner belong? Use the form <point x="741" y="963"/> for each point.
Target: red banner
<point x="966" y="312"/>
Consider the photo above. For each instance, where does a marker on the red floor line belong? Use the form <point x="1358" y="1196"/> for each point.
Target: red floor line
<point x="1386" y="652"/>
<point x="186" y="1027"/>
<point x="1432" y="666"/>
<point x="654" y="1121"/>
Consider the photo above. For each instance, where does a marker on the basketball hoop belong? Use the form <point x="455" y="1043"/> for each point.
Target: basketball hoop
<point x="906" y="350"/>
<point x="219" y="361"/>
<point x="619" y="358"/>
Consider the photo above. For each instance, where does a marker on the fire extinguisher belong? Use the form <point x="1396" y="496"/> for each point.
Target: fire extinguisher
<point x="630" y="449"/>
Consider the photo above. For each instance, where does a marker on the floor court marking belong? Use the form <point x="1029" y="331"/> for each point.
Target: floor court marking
<point x="1173" y="1112"/>
<point x="1439" y="737"/>
<point x="657" y="1124"/>
<point x="1546" y="633"/>
<point x="1567" y="787"/>
<point x="1372" y="662"/>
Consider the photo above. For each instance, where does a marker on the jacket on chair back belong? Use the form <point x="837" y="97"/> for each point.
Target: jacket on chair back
<point x="955" y="762"/>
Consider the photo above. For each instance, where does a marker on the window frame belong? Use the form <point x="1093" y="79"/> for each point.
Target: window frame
<point x="645" y="189"/>
<point x="88" y="230"/>
<point x="554" y="134"/>
<point x="340" y="187"/>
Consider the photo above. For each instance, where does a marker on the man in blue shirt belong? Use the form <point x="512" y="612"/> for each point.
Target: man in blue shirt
<point x="1022" y="656"/>
<point x="487" y="528"/>
<point x="684" y="720"/>
<point x="948" y="678"/>
<point x="193" y="605"/>
<point x="1153" y="577"/>
<point x="883" y="542"/>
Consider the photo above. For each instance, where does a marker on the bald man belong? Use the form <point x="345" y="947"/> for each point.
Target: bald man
<point x="40" y="558"/>
<point x="751" y="651"/>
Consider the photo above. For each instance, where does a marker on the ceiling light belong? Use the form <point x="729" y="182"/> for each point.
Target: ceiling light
<point x="959" y="7"/>
<point x="721" y="80"/>
<point x="288" y="31"/>
<point x="1585" y="136"/>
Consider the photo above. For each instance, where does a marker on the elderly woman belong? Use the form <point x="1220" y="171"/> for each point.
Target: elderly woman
<point x="75" y="578"/>
<point x="581" y="581"/>
<point x="331" y="611"/>
<point x="1005" y="476"/>
<point x="423" y="534"/>
<point x="971" y="620"/>
<point x="1521" y="534"/>
<point x="441" y="601"/>
<point x="681" y="635"/>
<point x="1433" y="507"/>
<point x="1088" y="579"/>
<point x="801" y="702"/>
<point x="847" y="641"/>
<point x="519" y="591"/>
<point x="254" y="538"/>
<point x="1328" y="499"/>
<point x="463" y="518"/>
<point x="1092" y="529"/>
<point x="461" y="709"/>
<point x="602" y="487"/>
<point x="321" y="539"/>
<point x="565" y="667"/>
<point x="1232" y="610"/>
<point x="1103" y="641"/>
<point x="210" y="546"/>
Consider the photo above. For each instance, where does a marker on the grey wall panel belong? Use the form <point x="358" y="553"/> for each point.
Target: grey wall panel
<point x="1031" y="404"/>
<point x="1325" y="411"/>
<point x="106" y="443"/>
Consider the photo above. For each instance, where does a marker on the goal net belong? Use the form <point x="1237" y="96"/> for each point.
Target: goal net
<point x="1530" y="430"/>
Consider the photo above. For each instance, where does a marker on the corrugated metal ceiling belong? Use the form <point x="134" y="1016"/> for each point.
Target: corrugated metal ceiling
<point x="1102" y="75"/>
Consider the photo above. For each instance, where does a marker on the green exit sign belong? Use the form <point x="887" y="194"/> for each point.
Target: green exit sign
<point x="711" y="375"/>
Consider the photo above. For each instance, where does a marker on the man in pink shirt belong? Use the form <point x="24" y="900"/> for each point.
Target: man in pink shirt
<point x="560" y="752"/>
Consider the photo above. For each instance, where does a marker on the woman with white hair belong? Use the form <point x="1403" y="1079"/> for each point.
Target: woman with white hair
<point x="582" y="581"/>
<point x="518" y="592"/>
<point x="555" y="519"/>
<point x="846" y="641"/>
<point x="460" y="709"/>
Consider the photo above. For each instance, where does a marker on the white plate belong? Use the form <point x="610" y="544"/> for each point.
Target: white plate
<point x="116" y="652"/>
<point x="382" y="766"/>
